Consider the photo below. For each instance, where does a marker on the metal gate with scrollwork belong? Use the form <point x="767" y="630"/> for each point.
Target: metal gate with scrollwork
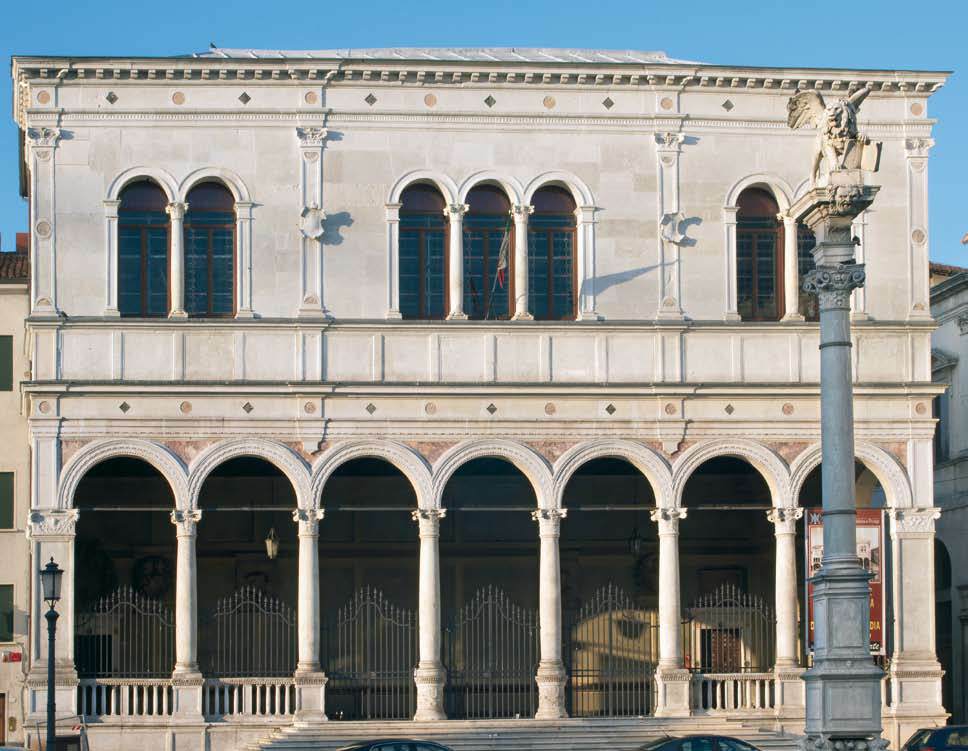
<point x="610" y="651"/>
<point x="369" y="651"/>
<point x="729" y="631"/>
<point x="491" y="652"/>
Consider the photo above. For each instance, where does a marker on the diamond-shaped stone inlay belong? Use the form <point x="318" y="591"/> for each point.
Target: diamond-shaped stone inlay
<point x="727" y="105"/>
<point x="248" y="407"/>
<point x="124" y="407"/>
<point x="610" y="409"/>
<point x="608" y="103"/>
<point x="729" y="409"/>
<point x="370" y="99"/>
<point x="111" y="97"/>
<point x="490" y="101"/>
<point x="244" y="98"/>
<point x="371" y="408"/>
<point x="491" y="408"/>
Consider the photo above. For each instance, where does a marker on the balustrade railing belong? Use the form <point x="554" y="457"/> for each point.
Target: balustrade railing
<point x="103" y="698"/>
<point x="248" y="697"/>
<point x="727" y="692"/>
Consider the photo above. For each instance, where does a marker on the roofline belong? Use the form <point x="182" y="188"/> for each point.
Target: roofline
<point x="949" y="287"/>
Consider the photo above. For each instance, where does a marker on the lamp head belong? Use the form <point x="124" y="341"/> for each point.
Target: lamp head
<point x="50" y="582"/>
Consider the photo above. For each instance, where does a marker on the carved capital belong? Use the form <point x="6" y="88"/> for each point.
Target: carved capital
<point x="549" y="520"/>
<point x="52" y="523"/>
<point x="185" y="521"/>
<point x="668" y="519"/>
<point x="311" y="137"/>
<point x="913" y="521"/>
<point x="521" y="212"/>
<point x="918" y="147"/>
<point x="963" y="323"/>
<point x="43" y="138"/>
<point x="176" y="210"/>
<point x="308" y="520"/>
<point x="456" y="211"/>
<point x="669" y="141"/>
<point x="833" y="284"/>
<point x="785" y="519"/>
<point x="428" y="520"/>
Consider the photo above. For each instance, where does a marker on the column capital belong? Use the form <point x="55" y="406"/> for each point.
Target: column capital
<point x="312" y="137"/>
<point x="176" y="210"/>
<point x="521" y="212"/>
<point x="111" y="208"/>
<point x="308" y="520"/>
<point x="669" y="141"/>
<point x="785" y="519"/>
<point x="455" y="211"/>
<point x="43" y="138"/>
<point x="185" y="521"/>
<point x="52" y="523"/>
<point x="833" y="284"/>
<point x="908" y="522"/>
<point x="549" y="520"/>
<point x="428" y="520"/>
<point x="915" y="148"/>
<point x="668" y="519"/>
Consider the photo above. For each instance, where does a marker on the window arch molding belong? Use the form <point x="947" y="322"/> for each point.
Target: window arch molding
<point x="511" y="187"/>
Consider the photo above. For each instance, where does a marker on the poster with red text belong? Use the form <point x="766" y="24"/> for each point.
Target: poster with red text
<point x="870" y="551"/>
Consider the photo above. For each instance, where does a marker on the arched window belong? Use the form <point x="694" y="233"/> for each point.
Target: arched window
<point x="759" y="249"/>
<point x="423" y="253"/>
<point x="551" y="255"/>
<point x="806" y="241"/>
<point x="143" y="250"/>
<point x="210" y="251"/>
<point x="488" y="254"/>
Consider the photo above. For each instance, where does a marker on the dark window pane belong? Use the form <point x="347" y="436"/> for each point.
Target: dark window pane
<point x="6" y="612"/>
<point x="6" y="500"/>
<point x="143" y="195"/>
<point x="6" y="362"/>
<point x="210" y="252"/>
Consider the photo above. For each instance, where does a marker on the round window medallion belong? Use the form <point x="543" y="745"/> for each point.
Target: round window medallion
<point x="670" y="409"/>
<point x="43" y="97"/>
<point x="185" y="407"/>
<point x="178" y="97"/>
<point x="918" y="236"/>
<point x="44" y="407"/>
<point x="43" y="228"/>
<point x="917" y="108"/>
<point x="921" y="408"/>
<point x="309" y="408"/>
<point x="788" y="409"/>
<point x="550" y="408"/>
<point x="430" y="100"/>
<point x="549" y="102"/>
<point x="430" y="408"/>
<point x="666" y="103"/>
<point x="311" y="97"/>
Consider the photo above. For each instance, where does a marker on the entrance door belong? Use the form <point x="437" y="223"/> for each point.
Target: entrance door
<point x="721" y="649"/>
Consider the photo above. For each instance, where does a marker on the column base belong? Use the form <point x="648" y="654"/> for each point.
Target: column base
<point x="393" y="315"/>
<point x="590" y="315"/>
<point x="65" y="692"/>
<point x="916" y="688"/>
<point x="310" y="696"/>
<point x="673" y="692"/>
<point x="456" y="316"/>
<point x="430" y="680"/>
<point x="732" y="316"/>
<point x="111" y="313"/>
<point x="792" y="318"/>
<point x="522" y="317"/>
<point x="178" y="315"/>
<point x="187" y="687"/>
<point x="551" y="679"/>
<point x="789" y="697"/>
<point x="245" y="313"/>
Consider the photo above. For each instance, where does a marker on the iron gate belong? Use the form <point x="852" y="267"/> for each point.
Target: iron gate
<point x="125" y="635"/>
<point x="369" y="654"/>
<point x="250" y="634"/>
<point x="491" y="652"/>
<point x="611" y="647"/>
<point x="729" y="631"/>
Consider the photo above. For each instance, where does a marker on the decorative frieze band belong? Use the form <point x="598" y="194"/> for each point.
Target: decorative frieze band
<point x="52" y="523"/>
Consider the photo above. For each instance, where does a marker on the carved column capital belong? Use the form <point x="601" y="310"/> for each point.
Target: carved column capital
<point x="455" y="211"/>
<point x="833" y="284"/>
<point x="784" y="520"/>
<point x="917" y="147"/>
<point x="549" y="520"/>
<point x="313" y="137"/>
<point x="668" y="519"/>
<point x="43" y="138"/>
<point x="185" y="521"/>
<point x="308" y="520"/>
<point x="111" y="208"/>
<point x="521" y="212"/>
<point x="176" y="210"/>
<point x="52" y="523"/>
<point x="428" y="520"/>
<point x="913" y="521"/>
<point x="669" y="141"/>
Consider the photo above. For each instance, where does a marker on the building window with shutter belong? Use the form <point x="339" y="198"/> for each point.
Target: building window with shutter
<point x="6" y="612"/>
<point x="6" y="500"/>
<point x="6" y="363"/>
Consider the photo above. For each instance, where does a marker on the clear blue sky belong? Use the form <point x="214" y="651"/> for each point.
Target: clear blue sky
<point x="932" y="35"/>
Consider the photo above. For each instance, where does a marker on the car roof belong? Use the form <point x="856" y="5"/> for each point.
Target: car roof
<point x="375" y="741"/>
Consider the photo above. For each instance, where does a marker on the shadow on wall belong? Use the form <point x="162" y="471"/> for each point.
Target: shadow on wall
<point x="332" y="226"/>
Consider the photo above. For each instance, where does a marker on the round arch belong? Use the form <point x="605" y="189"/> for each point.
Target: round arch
<point x="578" y="189"/>
<point x="446" y="186"/>
<point x="779" y="187"/>
<point x="227" y="177"/>
<point x="279" y="455"/>
<point x="511" y="187"/>
<point x="763" y="459"/>
<point x="888" y="471"/>
<point x="652" y="466"/>
<point x="413" y="466"/>
<point x="164" y="180"/>
<point x="530" y="463"/>
<point x="158" y="456"/>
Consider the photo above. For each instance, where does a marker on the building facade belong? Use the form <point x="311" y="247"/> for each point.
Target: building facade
<point x="466" y="384"/>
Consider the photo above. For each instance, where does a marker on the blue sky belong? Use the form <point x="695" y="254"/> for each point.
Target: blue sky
<point x="929" y="35"/>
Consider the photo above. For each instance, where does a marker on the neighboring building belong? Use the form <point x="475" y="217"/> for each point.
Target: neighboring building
<point x="949" y="365"/>
<point x="552" y="293"/>
<point x="14" y="491"/>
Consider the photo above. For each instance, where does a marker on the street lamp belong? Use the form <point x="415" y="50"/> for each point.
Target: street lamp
<point x="50" y="582"/>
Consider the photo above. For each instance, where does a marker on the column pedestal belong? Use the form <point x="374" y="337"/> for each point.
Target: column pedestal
<point x="429" y="674"/>
<point x="673" y="682"/>
<point x="551" y="675"/>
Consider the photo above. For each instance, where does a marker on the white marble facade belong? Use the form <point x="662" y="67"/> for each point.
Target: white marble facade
<point x="317" y="366"/>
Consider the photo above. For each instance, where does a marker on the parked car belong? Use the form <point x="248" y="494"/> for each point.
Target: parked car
<point x="698" y="743"/>
<point x="953" y="737"/>
<point x="395" y="744"/>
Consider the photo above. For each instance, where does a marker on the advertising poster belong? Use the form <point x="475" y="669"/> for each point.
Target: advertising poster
<point x="870" y="551"/>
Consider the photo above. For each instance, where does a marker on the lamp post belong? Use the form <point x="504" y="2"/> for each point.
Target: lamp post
<point x="50" y="581"/>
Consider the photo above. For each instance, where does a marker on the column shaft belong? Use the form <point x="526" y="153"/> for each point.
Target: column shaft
<point x="308" y="611"/>
<point x="672" y="680"/>
<point x="186" y="593"/>
<point x="791" y="270"/>
<point x="785" y="527"/>
<point x="521" y="214"/>
<point x="455" y="255"/>
<point x="429" y="675"/>
<point x="551" y="671"/>
<point x="111" y="243"/>
<point x="176" y="265"/>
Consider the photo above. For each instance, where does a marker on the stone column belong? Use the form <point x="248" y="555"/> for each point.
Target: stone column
<point x="551" y="670"/>
<point x="587" y="294"/>
<point x="843" y="687"/>
<point x="455" y="260"/>
<point x="429" y="674"/>
<point x="521" y="214"/>
<point x="309" y="678"/>
<point x="243" y="241"/>
<point x="915" y="672"/>
<point x="393" y="260"/>
<point x="186" y="678"/>
<point x="791" y="270"/>
<point x="729" y="270"/>
<point x="111" y="266"/>
<point x="41" y="146"/>
<point x="672" y="680"/>
<point x="916" y="152"/>
<point x="176" y="265"/>
<point x="789" y="686"/>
